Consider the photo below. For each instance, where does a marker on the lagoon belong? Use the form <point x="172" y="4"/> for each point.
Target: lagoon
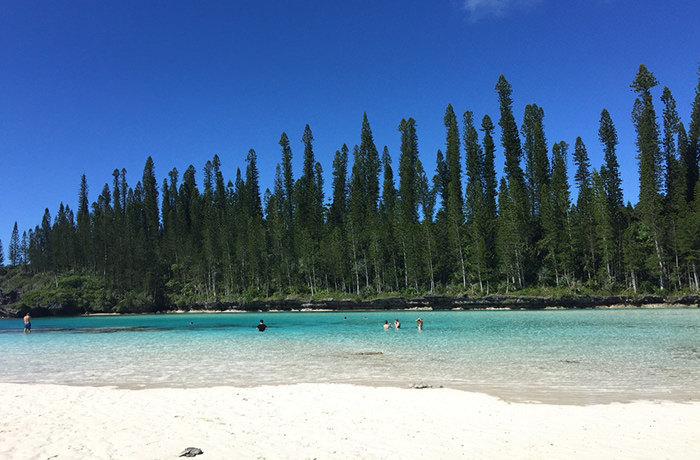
<point x="552" y="356"/>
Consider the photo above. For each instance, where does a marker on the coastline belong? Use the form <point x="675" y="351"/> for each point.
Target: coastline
<point x="421" y="303"/>
<point x="331" y="421"/>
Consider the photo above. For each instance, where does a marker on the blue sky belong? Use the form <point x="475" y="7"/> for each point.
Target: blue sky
<point x="90" y="86"/>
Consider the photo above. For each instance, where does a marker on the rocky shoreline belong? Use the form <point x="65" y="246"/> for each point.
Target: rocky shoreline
<point x="9" y="309"/>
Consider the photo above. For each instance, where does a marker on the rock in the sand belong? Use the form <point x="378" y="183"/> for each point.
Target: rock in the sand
<point x="420" y="386"/>
<point x="191" y="452"/>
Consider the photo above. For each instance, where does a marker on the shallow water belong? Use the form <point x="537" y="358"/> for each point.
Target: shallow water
<point x="556" y="356"/>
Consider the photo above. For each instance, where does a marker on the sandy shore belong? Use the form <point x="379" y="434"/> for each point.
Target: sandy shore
<point x="319" y="421"/>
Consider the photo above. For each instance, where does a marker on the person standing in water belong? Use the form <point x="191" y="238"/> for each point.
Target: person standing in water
<point x="397" y="324"/>
<point x="386" y="325"/>
<point x="419" y="323"/>
<point x="262" y="326"/>
<point x="27" y="324"/>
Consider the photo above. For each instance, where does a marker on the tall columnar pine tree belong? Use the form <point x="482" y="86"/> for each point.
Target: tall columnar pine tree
<point x="391" y="262"/>
<point x="449" y="219"/>
<point x="335" y="247"/>
<point x="370" y="154"/>
<point x="257" y="268"/>
<point x="554" y="207"/>
<point x="287" y="197"/>
<point x="15" y="254"/>
<point x="515" y="181"/>
<point x="152" y="276"/>
<point x="584" y="219"/>
<point x="102" y="217"/>
<point x="674" y="184"/>
<point x="475" y="203"/>
<point x="650" y="164"/>
<point x="537" y="172"/>
<point x="362" y="207"/>
<point x="308" y="215"/>
<point x="211" y="230"/>
<point x="275" y="235"/>
<point x="454" y="167"/>
<point x="84" y="230"/>
<point x="537" y="177"/>
<point x="508" y="244"/>
<point x="189" y="221"/>
<point x="449" y="262"/>
<point x="408" y="203"/>
<point x="603" y="228"/>
<point x="170" y="232"/>
<point x="357" y="214"/>
<point x="610" y="175"/>
<point x="691" y="157"/>
<point x="427" y="197"/>
<point x="689" y="235"/>
<point x="487" y="221"/>
<point x="444" y="266"/>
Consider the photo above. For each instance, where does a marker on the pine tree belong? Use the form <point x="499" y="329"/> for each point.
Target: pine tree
<point x="536" y="161"/>
<point x="24" y="248"/>
<point x="15" y="255"/>
<point x="357" y="216"/>
<point x="610" y="175"/>
<point x="650" y="163"/>
<point x="171" y="232"/>
<point x="84" y="246"/>
<point x="556" y="239"/>
<point x="691" y="155"/>
<point x="102" y="231"/>
<point x="584" y="219"/>
<point x="674" y="185"/>
<point x="604" y="231"/>
<point x="387" y="216"/>
<point x="275" y="234"/>
<point x="488" y="221"/>
<point x="456" y="265"/>
<point x="454" y="167"/>
<point x="338" y="209"/>
<point x="335" y="249"/>
<point x="475" y="201"/>
<point x="370" y="154"/>
<point x="308" y="217"/>
<point x="287" y="202"/>
<point x="689" y="238"/>
<point x="426" y="249"/>
<point x="408" y="203"/>
<point x="508" y="244"/>
<point x="515" y="178"/>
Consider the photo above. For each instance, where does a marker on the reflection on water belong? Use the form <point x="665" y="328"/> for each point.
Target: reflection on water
<point x="563" y="355"/>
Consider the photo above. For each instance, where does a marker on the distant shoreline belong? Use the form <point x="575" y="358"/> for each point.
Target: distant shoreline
<point x="422" y="303"/>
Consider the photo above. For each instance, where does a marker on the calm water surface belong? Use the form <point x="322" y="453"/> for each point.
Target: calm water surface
<point x="572" y="356"/>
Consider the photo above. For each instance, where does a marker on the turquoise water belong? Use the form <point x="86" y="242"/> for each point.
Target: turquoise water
<point x="577" y="356"/>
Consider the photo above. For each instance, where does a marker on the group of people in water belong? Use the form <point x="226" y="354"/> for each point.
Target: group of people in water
<point x="261" y="326"/>
<point x="397" y="324"/>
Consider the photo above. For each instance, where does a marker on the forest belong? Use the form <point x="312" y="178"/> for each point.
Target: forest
<point x="386" y="229"/>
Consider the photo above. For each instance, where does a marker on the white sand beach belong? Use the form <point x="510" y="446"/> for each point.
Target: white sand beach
<point x="331" y="421"/>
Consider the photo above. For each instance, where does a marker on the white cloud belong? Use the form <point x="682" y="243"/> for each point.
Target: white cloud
<point x="478" y="9"/>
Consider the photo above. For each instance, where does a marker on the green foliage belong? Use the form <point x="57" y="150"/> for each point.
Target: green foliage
<point x="399" y="234"/>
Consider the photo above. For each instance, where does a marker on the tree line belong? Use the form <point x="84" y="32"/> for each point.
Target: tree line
<point x="463" y="230"/>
